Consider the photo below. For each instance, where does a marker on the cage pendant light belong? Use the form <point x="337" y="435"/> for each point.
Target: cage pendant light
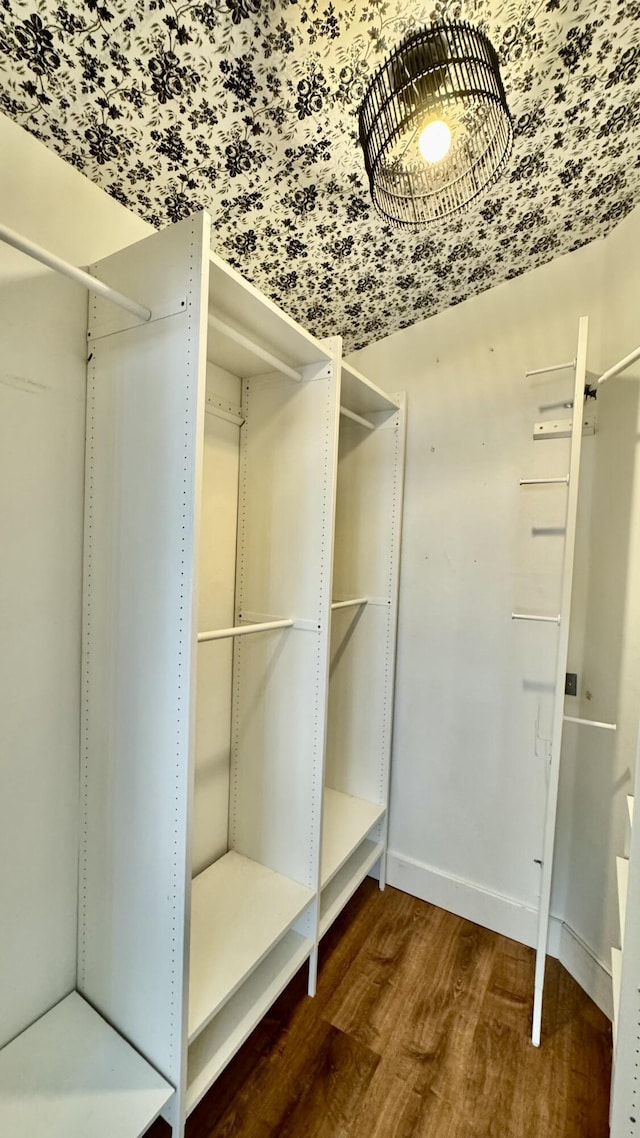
<point x="434" y="125"/>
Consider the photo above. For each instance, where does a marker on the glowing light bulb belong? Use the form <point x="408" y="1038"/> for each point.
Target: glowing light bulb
<point x="435" y="141"/>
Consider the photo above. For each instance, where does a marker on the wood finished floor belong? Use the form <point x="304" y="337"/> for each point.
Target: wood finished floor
<point x="420" y="1029"/>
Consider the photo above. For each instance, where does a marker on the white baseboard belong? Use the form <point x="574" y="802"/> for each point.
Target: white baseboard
<point x="503" y="915"/>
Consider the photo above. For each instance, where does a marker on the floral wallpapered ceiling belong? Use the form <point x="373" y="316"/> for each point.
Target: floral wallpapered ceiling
<point x="249" y="108"/>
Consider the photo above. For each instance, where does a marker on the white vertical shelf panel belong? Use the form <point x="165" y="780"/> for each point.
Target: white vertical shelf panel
<point x="215" y="610"/>
<point x="356" y="743"/>
<point x="367" y="562"/>
<point x="285" y="546"/>
<point x="144" y="458"/>
<point x="70" y="1075"/>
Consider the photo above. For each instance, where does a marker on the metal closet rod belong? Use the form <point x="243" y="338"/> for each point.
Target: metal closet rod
<point x="553" y="367"/>
<point x="10" y="237"/>
<point x="621" y="366"/>
<point x="533" y="616"/>
<point x="357" y="418"/>
<point x="243" y="630"/>
<point x="591" y="722"/>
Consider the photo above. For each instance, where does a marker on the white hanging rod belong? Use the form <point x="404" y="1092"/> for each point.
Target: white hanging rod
<point x="621" y="366"/>
<point x="554" y="367"/>
<point x="532" y="616"/>
<point x="545" y="481"/>
<point x="243" y="630"/>
<point x="357" y="418"/>
<point x="349" y="604"/>
<point x="78" y="275"/>
<point x="591" y="723"/>
<point x="218" y="325"/>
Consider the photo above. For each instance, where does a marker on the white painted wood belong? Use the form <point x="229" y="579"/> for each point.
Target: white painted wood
<point x="239" y="911"/>
<point x="560" y="678"/>
<point x="347" y="821"/>
<point x="344" y="883"/>
<point x="622" y="874"/>
<point x="630" y="808"/>
<point x="221" y="1039"/>
<point x="70" y="1075"/>
<point x="145" y="428"/>
<point x="285" y="545"/>
<point x="216" y="596"/>
<point x="359" y="394"/>
<point x="235" y="301"/>
<point x="366" y="563"/>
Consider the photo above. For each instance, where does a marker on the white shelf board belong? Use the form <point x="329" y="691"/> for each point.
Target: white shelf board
<point x="622" y="872"/>
<point x="237" y="302"/>
<point x="239" y="912"/>
<point x="616" y="980"/>
<point x="346" y="822"/>
<point x="342" y="887"/>
<point x="359" y="394"/>
<point x="70" y="1075"/>
<point x="630" y="808"/>
<point x="222" y="1038"/>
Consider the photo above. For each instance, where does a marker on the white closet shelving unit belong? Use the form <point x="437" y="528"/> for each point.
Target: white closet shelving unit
<point x="363" y="638"/>
<point x="625" y="975"/>
<point x="210" y="511"/>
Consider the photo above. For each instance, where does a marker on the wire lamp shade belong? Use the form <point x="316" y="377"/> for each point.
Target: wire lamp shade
<point x="448" y="73"/>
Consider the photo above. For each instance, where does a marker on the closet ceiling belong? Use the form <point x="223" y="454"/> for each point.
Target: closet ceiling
<point x="249" y="108"/>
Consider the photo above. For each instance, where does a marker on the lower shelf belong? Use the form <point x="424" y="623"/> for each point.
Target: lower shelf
<point x="342" y="887"/>
<point x="70" y="1075"/>
<point x="347" y="821"/>
<point x="239" y="912"/>
<point x="218" y="1043"/>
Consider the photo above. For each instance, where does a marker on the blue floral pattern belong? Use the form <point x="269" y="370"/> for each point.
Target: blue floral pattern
<point x="249" y="109"/>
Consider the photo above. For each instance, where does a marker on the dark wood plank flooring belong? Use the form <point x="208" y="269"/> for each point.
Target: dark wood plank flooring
<point x="420" y="1029"/>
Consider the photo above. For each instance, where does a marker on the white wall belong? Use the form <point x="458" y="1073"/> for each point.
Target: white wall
<point x="468" y="785"/>
<point x="42" y="392"/>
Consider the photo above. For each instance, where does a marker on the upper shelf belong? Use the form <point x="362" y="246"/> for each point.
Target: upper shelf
<point x="359" y="394"/>
<point x="260" y="334"/>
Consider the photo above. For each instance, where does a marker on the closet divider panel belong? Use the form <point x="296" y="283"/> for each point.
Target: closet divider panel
<point x="367" y="560"/>
<point x="144" y="457"/>
<point x="216" y="610"/>
<point x="285" y="547"/>
<point x="363" y="639"/>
